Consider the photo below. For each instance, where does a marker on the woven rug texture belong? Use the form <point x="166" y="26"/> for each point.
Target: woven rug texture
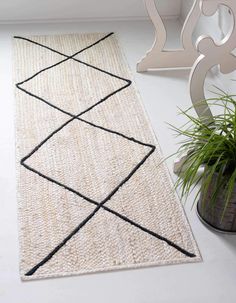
<point x="92" y="193"/>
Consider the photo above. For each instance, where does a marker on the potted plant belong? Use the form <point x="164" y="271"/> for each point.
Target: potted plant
<point x="211" y="146"/>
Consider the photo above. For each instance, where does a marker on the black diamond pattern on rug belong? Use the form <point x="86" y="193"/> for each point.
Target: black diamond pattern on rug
<point x="62" y="137"/>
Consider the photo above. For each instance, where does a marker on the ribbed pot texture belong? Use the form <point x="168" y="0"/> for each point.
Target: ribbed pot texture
<point x="213" y="215"/>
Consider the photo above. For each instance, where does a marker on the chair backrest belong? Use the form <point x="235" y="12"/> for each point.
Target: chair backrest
<point x="212" y="54"/>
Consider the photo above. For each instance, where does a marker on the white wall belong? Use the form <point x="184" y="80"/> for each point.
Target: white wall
<point x="31" y="10"/>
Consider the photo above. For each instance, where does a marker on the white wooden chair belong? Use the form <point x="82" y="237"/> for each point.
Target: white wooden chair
<point x="200" y="58"/>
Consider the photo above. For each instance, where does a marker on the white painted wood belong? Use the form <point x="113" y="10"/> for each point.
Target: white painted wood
<point x="185" y="8"/>
<point x="205" y="25"/>
<point x="159" y="57"/>
<point x="212" y="54"/>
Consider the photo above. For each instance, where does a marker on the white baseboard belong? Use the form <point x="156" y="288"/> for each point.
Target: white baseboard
<point x="77" y="20"/>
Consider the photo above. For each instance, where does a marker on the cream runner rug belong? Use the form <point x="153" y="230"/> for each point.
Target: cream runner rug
<point x="92" y="195"/>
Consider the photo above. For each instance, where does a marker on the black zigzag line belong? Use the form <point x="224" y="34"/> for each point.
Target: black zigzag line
<point x="99" y="205"/>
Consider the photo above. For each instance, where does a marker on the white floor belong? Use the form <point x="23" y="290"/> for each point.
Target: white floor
<point x="213" y="280"/>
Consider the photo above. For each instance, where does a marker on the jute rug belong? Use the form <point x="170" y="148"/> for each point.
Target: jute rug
<point x="92" y="195"/>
